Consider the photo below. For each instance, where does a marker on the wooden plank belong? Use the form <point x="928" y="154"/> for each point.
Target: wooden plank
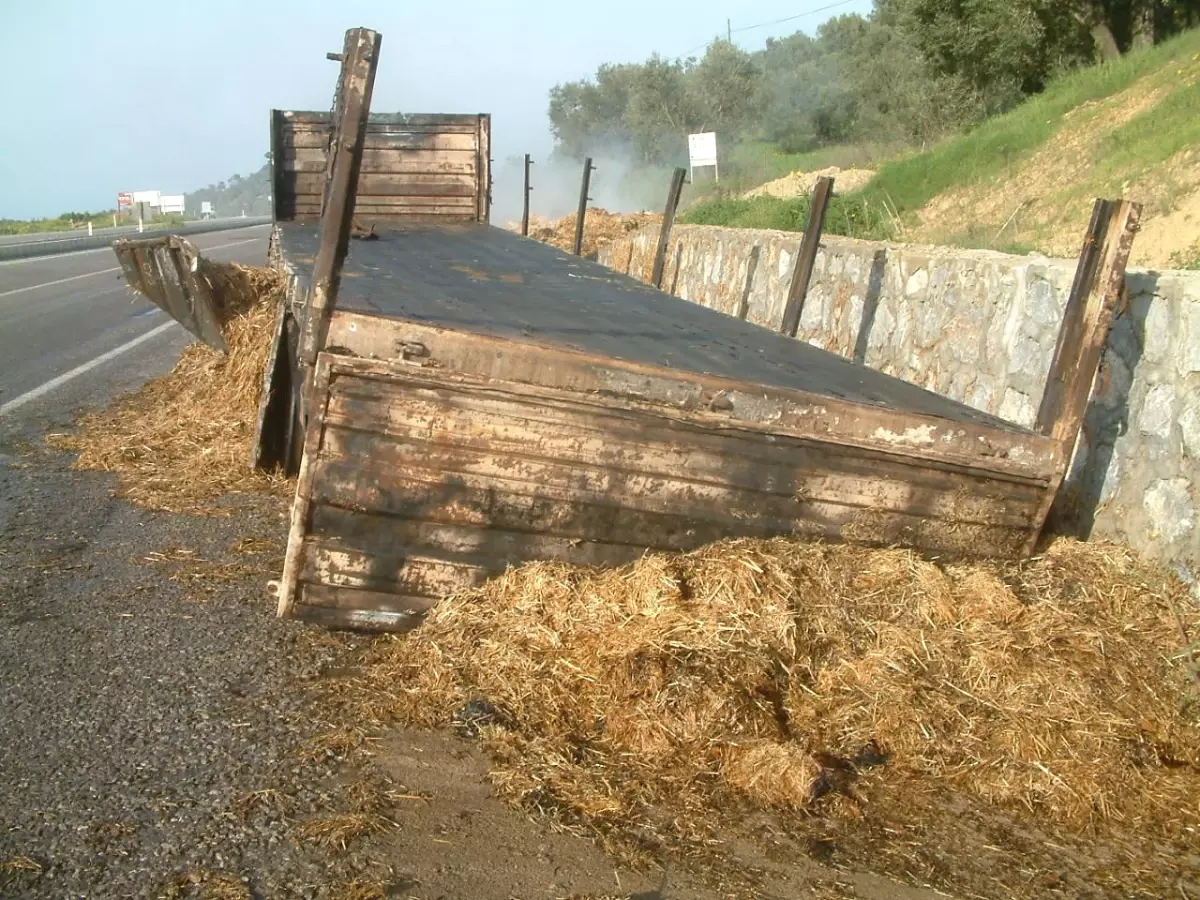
<point x="664" y="233"/>
<point x="669" y="459"/>
<point x="398" y="184"/>
<point x="484" y="151"/>
<point x="293" y="560"/>
<point x="354" y="615"/>
<point x="302" y="135"/>
<point x="399" y="207"/>
<point x="1099" y="282"/>
<point x="383" y="119"/>
<point x="387" y="161"/>
<point x="372" y="533"/>
<point x="403" y="574"/>
<point x="461" y="357"/>
<point x="390" y="141"/>
<point x="802" y="274"/>
<point x="678" y="515"/>
<point x="281" y="196"/>
<point x="360" y="62"/>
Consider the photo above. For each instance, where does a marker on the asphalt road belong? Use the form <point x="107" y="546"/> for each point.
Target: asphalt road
<point x="141" y="703"/>
<point x="60" y="314"/>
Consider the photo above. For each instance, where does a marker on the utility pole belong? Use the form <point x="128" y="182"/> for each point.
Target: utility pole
<point x="729" y="30"/>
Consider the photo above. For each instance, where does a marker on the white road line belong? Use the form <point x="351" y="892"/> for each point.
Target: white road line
<point x="34" y="287"/>
<point x="100" y="360"/>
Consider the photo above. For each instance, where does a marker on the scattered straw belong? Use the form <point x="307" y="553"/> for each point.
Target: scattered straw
<point x="202" y="885"/>
<point x="20" y="867"/>
<point x="338" y="743"/>
<point x="359" y="890"/>
<point x="840" y="681"/>
<point x="600" y="228"/>
<point x="184" y="439"/>
<point x="337" y="830"/>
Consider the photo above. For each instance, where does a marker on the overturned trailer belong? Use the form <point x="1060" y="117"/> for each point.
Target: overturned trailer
<point x="457" y="398"/>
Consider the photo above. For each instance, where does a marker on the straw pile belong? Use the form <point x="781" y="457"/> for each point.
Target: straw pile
<point x="184" y="439"/>
<point x="600" y="228"/>
<point x="797" y="184"/>
<point x="648" y="703"/>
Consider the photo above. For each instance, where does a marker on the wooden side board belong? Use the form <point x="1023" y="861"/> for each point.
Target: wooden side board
<point x="419" y="481"/>
<point x="420" y="167"/>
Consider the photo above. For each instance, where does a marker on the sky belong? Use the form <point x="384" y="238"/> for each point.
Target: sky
<point x="128" y="95"/>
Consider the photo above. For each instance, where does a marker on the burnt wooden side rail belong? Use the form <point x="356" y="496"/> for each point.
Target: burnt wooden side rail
<point x="360" y="59"/>
<point x="1098" y="286"/>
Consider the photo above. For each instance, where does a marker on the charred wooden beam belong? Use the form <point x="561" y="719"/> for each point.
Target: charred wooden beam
<point x="664" y="234"/>
<point x="1098" y="286"/>
<point x="349" y="128"/>
<point x="798" y="289"/>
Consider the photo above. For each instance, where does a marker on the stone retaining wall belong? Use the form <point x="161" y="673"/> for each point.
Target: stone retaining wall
<point x="980" y="327"/>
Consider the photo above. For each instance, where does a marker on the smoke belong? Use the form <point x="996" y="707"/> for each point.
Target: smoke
<point x="619" y="184"/>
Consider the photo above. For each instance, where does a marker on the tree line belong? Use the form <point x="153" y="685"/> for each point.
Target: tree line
<point x="910" y="72"/>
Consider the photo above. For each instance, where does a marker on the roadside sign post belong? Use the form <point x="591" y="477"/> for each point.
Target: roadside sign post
<point x="702" y="152"/>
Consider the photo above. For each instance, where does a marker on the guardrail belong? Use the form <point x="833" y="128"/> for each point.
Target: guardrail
<point x="23" y="246"/>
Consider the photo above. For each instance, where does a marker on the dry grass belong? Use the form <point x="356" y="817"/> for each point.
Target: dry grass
<point x="20" y="867"/>
<point x="600" y="228"/>
<point x="267" y="800"/>
<point x="202" y="885"/>
<point x="839" y="681"/>
<point x="336" y="830"/>
<point x="185" y="439"/>
<point x="359" y="889"/>
<point x="337" y="743"/>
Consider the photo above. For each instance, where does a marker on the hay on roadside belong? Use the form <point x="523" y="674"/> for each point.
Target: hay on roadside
<point x="783" y="675"/>
<point x="600" y="228"/>
<point x="186" y="438"/>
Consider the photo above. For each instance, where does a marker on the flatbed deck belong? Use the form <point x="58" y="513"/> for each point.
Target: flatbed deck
<point x="483" y="280"/>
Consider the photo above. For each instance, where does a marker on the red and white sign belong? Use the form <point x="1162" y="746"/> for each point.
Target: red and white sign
<point x="124" y="201"/>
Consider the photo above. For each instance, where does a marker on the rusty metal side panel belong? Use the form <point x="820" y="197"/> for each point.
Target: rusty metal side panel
<point x="417" y="483"/>
<point x="165" y="270"/>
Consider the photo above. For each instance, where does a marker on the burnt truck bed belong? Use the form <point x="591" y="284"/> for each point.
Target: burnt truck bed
<point x="483" y="399"/>
<point x="488" y="281"/>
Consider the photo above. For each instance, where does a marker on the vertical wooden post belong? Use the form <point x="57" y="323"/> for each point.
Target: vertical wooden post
<point x="528" y="188"/>
<point x="484" y="207"/>
<point x="352" y="106"/>
<point x="279" y="212"/>
<point x="1099" y="282"/>
<point x="583" y="202"/>
<point x="802" y="274"/>
<point x="664" y="234"/>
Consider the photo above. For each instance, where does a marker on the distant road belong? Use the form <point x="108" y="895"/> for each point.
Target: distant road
<point x="69" y="324"/>
<point x="20" y="246"/>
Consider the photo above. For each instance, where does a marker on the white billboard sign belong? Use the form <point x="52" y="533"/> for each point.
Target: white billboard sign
<point x="150" y="198"/>
<point x="702" y="149"/>
<point x="171" y="203"/>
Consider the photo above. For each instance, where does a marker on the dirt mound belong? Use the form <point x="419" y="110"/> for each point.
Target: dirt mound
<point x="798" y="184"/>
<point x="863" y="695"/>
<point x="600" y="228"/>
<point x="184" y="439"/>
